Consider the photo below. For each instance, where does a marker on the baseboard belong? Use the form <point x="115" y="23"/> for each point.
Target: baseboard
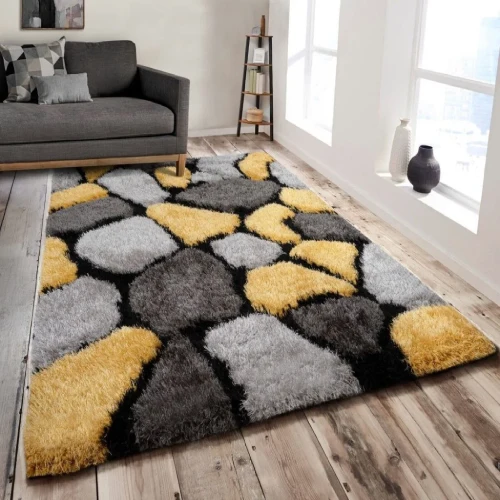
<point x="458" y="267"/>
<point x="222" y="131"/>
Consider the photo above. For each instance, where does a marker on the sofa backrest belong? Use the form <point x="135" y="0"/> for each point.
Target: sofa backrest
<point x="111" y="66"/>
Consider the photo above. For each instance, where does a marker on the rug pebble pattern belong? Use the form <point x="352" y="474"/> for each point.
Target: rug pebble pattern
<point x="220" y="167"/>
<point x="165" y="414"/>
<point x="57" y="267"/>
<point x="176" y="308"/>
<point x="64" y="417"/>
<point x="245" y="250"/>
<point x="193" y="225"/>
<point x="304" y="200"/>
<point x="279" y="370"/>
<point x="230" y="195"/>
<point x="75" y="195"/>
<point x="270" y="223"/>
<point x="134" y="185"/>
<point x="349" y="325"/>
<point x="178" y="293"/>
<point x="390" y="282"/>
<point x="285" y="177"/>
<point x="87" y="215"/>
<point x="127" y="246"/>
<point x="65" y="178"/>
<point x="72" y="316"/>
<point x="327" y="227"/>
<point x="335" y="256"/>
<point x="280" y="287"/>
<point x="167" y="177"/>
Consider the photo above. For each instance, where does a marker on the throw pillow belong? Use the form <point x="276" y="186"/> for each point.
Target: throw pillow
<point x="60" y="89"/>
<point x="23" y="62"/>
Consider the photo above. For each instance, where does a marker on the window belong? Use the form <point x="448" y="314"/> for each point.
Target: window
<point x="454" y="87"/>
<point x="312" y="65"/>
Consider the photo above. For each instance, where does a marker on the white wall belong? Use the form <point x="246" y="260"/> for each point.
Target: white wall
<point x="371" y="87"/>
<point x="203" y="40"/>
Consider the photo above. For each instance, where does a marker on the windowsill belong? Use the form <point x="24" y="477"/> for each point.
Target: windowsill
<point x="446" y="204"/>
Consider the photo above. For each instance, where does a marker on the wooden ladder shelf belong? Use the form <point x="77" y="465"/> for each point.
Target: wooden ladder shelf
<point x="258" y="97"/>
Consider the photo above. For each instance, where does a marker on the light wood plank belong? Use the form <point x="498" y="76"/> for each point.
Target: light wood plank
<point x="220" y="145"/>
<point x="289" y="460"/>
<point x="364" y="458"/>
<point x="415" y="448"/>
<point x="471" y="411"/>
<point x="198" y="148"/>
<point x="472" y="475"/>
<point x="149" y="476"/>
<point x="6" y="181"/>
<point x="20" y="237"/>
<point x="218" y="467"/>
<point x="487" y="373"/>
<point x="243" y="145"/>
<point x="250" y="136"/>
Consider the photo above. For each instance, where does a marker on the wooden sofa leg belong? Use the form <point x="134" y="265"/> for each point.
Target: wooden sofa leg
<point x="181" y="165"/>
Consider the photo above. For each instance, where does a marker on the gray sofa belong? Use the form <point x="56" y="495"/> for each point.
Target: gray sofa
<point x="138" y="115"/>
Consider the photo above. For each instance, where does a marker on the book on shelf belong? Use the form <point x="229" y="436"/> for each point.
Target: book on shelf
<point x="256" y="82"/>
<point x="260" y="85"/>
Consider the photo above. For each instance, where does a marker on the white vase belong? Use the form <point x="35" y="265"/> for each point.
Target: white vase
<point x="401" y="151"/>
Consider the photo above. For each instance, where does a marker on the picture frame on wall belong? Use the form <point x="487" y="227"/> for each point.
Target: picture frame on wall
<point x="53" y="14"/>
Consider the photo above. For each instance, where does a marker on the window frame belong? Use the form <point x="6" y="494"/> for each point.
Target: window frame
<point x="318" y="130"/>
<point x="419" y="74"/>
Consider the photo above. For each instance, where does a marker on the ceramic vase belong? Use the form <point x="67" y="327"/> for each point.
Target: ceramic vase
<point x="424" y="171"/>
<point x="401" y="151"/>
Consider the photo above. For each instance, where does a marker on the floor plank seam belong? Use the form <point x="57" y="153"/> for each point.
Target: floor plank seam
<point x="343" y="486"/>
<point x="457" y="477"/>
<point x="394" y="444"/>
<point x="253" y="465"/>
<point x="459" y="433"/>
<point x="8" y="199"/>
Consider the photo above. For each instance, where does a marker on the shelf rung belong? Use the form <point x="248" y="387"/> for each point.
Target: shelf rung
<point x="257" y="64"/>
<point x="259" y="36"/>
<point x="265" y="94"/>
<point x="264" y="124"/>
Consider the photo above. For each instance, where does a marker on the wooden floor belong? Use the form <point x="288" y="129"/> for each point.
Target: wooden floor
<point x="438" y="438"/>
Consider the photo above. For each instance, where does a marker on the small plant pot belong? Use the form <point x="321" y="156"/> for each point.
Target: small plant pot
<point x="424" y="171"/>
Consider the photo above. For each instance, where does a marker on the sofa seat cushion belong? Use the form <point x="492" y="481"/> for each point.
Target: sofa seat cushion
<point x="105" y="118"/>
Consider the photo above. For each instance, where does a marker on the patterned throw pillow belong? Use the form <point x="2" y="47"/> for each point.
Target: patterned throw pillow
<point x="21" y="63"/>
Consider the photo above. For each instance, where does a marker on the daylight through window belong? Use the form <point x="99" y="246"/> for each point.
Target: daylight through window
<point x="312" y="65"/>
<point x="454" y="86"/>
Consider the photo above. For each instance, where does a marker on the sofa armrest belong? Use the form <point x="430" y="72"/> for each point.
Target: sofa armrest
<point x="173" y="92"/>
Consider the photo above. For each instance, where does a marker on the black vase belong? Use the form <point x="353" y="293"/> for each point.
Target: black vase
<point x="424" y="171"/>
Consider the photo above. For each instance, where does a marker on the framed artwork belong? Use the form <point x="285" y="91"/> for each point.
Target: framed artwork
<point x="53" y="14"/>
<point x="259" y="56"/>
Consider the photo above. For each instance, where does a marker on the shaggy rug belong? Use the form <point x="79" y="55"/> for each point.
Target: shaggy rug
<point x="175" y="308"/>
